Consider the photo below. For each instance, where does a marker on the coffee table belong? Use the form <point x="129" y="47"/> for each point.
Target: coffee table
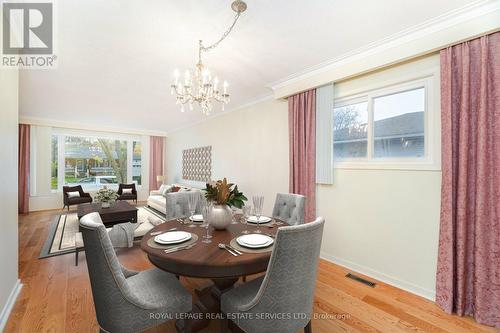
<point x="119" y="212"/>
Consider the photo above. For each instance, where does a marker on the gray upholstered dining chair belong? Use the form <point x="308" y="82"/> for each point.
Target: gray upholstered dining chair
<point x="177" y="204"/>
<point x="286" y="289"/>
<point x="124" y="300"/>
<point x="289" y="208"/>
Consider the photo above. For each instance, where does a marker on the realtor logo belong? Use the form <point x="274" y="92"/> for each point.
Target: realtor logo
<point x="28" y="35"/>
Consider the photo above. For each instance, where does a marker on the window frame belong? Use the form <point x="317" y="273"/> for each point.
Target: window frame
<point x="427" y="162"/>
<point x="63" y="133"/>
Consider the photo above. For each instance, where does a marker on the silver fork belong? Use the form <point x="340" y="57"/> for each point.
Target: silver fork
<point x="179" y="248"/>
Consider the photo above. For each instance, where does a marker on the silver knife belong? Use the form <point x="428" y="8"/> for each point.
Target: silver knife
<point x="235" y="250"/>
<point x="178" y="248"/>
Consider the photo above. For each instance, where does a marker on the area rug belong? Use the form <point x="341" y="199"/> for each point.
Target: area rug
<point x="62" y="233"/>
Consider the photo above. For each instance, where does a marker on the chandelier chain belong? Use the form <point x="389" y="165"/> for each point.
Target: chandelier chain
<point x="224" y="35"/>
<point x="199" y="86"/>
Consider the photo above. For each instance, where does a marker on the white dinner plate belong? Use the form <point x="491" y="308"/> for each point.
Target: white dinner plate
<point x="262" y="219"/>
<point x="254" y="241"/>
<point x="196" y="218"/>
<point x="173" y="237"/>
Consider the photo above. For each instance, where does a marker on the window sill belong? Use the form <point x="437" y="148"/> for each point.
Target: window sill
<point x="97" y="188"/>
<point x="386" y="165"/>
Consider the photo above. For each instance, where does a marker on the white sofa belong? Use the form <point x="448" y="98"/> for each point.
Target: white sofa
<point x="157" y="200"/>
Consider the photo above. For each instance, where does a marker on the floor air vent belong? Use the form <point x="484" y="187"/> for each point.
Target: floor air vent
<point x="363" y="281"/>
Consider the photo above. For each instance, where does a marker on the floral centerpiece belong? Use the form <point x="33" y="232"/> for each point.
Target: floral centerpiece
<point x="106" y="197"/>
<point x="223" y="195"/>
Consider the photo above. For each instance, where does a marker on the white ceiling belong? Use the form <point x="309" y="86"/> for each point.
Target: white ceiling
<point x="116" y="57"/>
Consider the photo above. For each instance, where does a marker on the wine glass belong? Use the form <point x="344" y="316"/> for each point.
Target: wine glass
<point x="247" y="210"/>
<point x="206" y="223"/>
<point x="233" y="213"/>
<point x="258" y="202"/>
<point x="192" y="202"/>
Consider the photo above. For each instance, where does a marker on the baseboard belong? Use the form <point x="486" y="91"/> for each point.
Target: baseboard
<point x="4" y="315"/>
<point x="407" y="286"/>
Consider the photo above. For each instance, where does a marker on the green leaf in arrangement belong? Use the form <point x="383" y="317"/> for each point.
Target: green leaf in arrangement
<point x="223" y="193"/>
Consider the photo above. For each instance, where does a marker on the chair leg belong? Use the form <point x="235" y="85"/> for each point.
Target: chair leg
<point x="76" y="257"/>
<point x="224" y="325"/>
<point x="308" y="328"/>
<point x="188" y="325"/>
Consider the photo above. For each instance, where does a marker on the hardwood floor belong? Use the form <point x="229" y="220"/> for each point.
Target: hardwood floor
<point x="56" y="296"/>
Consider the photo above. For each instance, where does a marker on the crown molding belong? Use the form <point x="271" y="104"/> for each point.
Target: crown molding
<point x="88" y="127"/>
<point x="445" y="24"/>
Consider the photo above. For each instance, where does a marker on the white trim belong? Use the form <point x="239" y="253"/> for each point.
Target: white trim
<point x="87" y="127"/>
<point x="254" y="101"/>
<point x="398" y="283"/>
<point x="95" y="134"/>
<point x="473" y="20"/>
<point x="11" y="300"/>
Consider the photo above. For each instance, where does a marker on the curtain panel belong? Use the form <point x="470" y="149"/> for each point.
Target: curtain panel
<point x="156" y="160"/>
<point x="302" y="142"/>
<point x="23" y="168"/>
<point x="468" y="272"/>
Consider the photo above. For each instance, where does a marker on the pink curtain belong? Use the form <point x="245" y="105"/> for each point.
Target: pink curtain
<point x="302" y="132"/>
<point x="156" y="160"/>
<point x="23" y="169"/>
<point x="468" y="272"/>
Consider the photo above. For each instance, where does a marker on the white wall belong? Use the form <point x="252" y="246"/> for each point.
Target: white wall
<point x="383" y="223"/>
<point x="249" y="147"/>
<point x="9" y="284"/>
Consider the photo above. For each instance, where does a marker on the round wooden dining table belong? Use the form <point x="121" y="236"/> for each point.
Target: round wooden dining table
<point x="207" y="260"/>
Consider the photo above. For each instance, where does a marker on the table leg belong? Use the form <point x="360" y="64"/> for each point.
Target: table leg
<point x="208" y="305"/>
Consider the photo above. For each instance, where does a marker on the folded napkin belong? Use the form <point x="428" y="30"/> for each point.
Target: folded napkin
<point x="155" y="220"/>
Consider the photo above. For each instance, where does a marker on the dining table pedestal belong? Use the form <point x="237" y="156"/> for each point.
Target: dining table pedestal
<point x="208" y="261"/>
<point x="207" y="307"/>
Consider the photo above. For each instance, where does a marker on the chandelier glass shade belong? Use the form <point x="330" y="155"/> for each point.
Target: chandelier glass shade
<point x="199" y="86"/>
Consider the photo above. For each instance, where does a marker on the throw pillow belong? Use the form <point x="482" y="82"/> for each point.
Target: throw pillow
<point x="155" y="220"/>
<point x="166" y="190"/>
<point x="175" y="189"/>
<point x="127" y="191"/>
<point x="75" y="194"/>
<point x="162" y="188"/>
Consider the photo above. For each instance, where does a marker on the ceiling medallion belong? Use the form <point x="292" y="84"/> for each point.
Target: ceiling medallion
<point x="198" y="85"/>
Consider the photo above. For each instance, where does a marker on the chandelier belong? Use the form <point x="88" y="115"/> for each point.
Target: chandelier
<point x="200" y="85"/>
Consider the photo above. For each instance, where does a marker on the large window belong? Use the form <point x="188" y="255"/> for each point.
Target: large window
<point x="381" y="126"/>
<point x="54" y="163"/>
<point x="137" y="162"/>
<point x="94" y="161"/>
